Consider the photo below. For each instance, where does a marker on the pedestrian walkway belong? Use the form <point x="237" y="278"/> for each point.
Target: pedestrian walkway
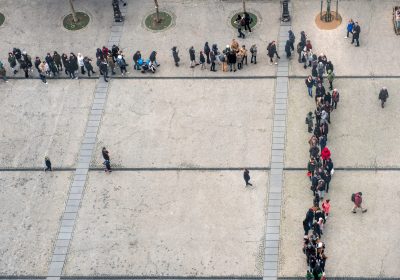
<point x="77" y="187"/>
<point x="272" y="233"/>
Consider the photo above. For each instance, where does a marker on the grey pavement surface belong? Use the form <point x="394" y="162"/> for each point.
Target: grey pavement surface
<point x="31" y="206"/>
<point x="40" y="120"/>
<point x="170" y="223"/>
<point x="204" y="124"/>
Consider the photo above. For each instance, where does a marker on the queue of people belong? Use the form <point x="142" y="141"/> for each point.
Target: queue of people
<point x="320" y="165"/>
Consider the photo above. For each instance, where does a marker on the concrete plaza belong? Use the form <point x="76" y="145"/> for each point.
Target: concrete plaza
<point x="176" y="204"/>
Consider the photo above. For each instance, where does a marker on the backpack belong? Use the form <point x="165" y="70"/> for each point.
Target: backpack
<point x="353" y="197"/>
<point x="299" y="47"/>
<point x="251" y="50"/>
<point x="242" y="22"/>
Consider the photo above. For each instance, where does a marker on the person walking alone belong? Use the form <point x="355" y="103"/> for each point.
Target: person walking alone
<point x="246" y="177"/>
<point x="47" y="162"/>
<point x="383" y="96"/>
<point x="357" y="199"/>
<point x="240" y="22"/>
<point x="253" y="51"/>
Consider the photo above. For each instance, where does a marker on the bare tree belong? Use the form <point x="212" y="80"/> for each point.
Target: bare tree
<point x="158" y="20"/>
<point x="244" y="5"/>
<point x="73" y="11"/>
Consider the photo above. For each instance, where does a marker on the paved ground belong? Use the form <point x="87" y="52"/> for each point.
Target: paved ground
<point x="30" y="208"/>
<point x="170" y="223"/>
<point x="203" y="222"/>
<point x="41" y="120"/>
<point x="205" y="124"/>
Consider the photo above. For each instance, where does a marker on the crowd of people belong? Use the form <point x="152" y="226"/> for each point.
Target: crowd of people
<point x="232" y="58"/>
<point x="320" y="166"/>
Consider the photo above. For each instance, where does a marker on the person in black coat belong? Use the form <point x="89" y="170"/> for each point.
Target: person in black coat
<point x="136" y="58"/>
<point x="356" y="34"/>
<point x="88" y="65"/>
<point x="246" y="177"/>
<point x="175" y="56"/>
<point x="288" y="49"/>
<point x="272" y="52"/>
<point x="231" y="57"/>
<point x="192" y="55"/>
<point x="48" y="164"/>
<point x="153" y="58"/>
<point x="104" y="69"/>
<point x="207" y="51"/>
<point x="65" y="62"/>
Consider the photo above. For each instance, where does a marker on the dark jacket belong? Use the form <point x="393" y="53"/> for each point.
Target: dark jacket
<point x="287" y="47"/>
<point x="272" y="50"/>
<point x="57" y="58"/>
<point x="310" y="84"/>
<point x="291" y="36"/>
<point x="192" y="54"/>
<point x="383" y="94"/>
<point x="153" y="56"/>
<point x="207" y="49"/>
<point x="356" y="31"/>
<point x="202" y="58"/>
<point x="175" y="55"/>
<point x="231" y="56"/>
<point x="88" y="65"/>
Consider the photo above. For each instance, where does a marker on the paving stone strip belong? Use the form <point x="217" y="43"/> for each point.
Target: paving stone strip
<point x="272" y="232"/>
<point x="76" y="191"/>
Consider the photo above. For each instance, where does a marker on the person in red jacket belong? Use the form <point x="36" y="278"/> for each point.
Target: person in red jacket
<point x="325" y="154"/>
<point x="358" y="203"/>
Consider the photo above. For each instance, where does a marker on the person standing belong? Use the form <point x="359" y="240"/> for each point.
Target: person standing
<point x="105" y="154"/>
<point x="335" y="98"/>
<point x="104" y="69"/>
<point x="3" y="72"/>
<point x="272" y="52"/>
<point x="310" y="83"/>
<point x="136" y="57"/>
<point x="356" y="34"/>
<point x="64" y="59"/>
<point x="247" y="22"/>
<point x="57" y="60"/>
<point x="202" y="61"/>
<point x="330" y="77"/>
<point x="111" y="63"/>
<point x="88" y="65"/>
<point x="310" y="122"/>
<point x="357" y="199"/>
<point x="240" y="22"/>
<point x="253" y="51"/>
<point x="81" y="64"/>
<point x="192" y="55"/>
<point x="108" y="166"/>
<point x="246" y="177"/>
<point x="212" y="59"/>
<point x="13" y="62"/>
<point x="42" y="72"/>
<point x="292" y="39"/>
<point x="231" y="56"/>
<point x="47" y="162"/>
<point x="207" y="51"/>
<point x="175" y="56"/>
<point x="73" y="61"/>
<point x="326" y="207"/>
<point x="122" y="64"/>
<point x="350" y="26"/>
<point x="243" y="50"/>
<point x="288" y="49"/>
<point x="383" y="96"/>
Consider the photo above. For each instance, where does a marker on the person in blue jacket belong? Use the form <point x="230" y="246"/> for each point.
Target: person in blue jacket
<point x="350" y="26"/>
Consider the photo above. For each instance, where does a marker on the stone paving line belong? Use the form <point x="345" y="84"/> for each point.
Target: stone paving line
<point x="76" y="190"/>
<point x="272" y="232"/>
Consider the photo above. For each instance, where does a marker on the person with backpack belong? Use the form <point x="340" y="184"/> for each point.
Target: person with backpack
<point x="383" y="96"/>
<point x="272" y="52"/>
<point x="202" y="61"/>
<point x="240" y="22"/>
<point x="213" y="58"/>
<point x="335" y="98"/>
<point x="122" y="64"/>
<point x="253" y="51"/>
<point x="356" y="198"/>
<point x="136" y="57"/>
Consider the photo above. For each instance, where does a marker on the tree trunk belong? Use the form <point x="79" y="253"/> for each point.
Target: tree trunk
<point x="73" y="12"/>
<point x="244" y="6"/>
<point x="158" y="20"/>
<point x="337" y="10"/>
